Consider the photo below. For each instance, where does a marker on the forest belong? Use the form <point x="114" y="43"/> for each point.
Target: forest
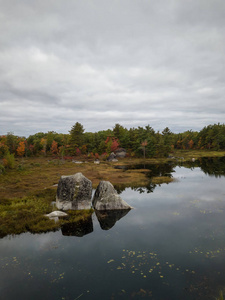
<point x="136" y="142"/>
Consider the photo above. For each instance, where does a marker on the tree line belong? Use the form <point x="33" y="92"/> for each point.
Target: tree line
<point x="136" y="141"/>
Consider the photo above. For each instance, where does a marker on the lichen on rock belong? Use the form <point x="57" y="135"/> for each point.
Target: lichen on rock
<point x="107" y="198"/>
<point x="74" y="192"/>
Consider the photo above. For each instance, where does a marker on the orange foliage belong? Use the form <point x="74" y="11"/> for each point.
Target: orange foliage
<point x="190" y="143"/>
<point x="44" y="144"/>
<point x="21" y="148"/>
<point x="54" y="147"/>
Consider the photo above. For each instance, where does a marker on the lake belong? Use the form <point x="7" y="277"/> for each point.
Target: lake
<point x="170" y="246"/>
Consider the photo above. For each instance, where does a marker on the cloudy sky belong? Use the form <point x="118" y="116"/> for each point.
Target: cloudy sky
<point x="102" y="62"/>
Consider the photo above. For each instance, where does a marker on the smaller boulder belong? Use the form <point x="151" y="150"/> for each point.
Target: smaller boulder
<point x="107" y="198"/>
<point x="111" y="156"/>
<point x="57" y="213"/>
<point x="121" y="153"/>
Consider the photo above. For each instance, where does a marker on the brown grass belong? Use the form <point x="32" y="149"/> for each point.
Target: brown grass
<point x="189" y="154"/>
<point x="41" y="173"/>
<point x="27" y="191"/>
<point x="38" y="173"/>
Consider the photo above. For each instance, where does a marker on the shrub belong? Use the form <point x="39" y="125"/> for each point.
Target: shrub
<point x="9" y="161"/>
<point x="2" y="169"/>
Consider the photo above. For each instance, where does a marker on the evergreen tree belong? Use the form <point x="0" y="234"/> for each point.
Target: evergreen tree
<point x="76" y="137"/>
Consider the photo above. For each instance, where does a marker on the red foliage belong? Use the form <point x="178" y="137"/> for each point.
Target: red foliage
<point x="78" y="152"/>
<point x="108" y="139"/>
<point x="115" y="144"/>
<point x="112" y="143"/>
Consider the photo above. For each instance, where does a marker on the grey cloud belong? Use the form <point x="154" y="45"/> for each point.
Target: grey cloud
<point x="103" y="62"/>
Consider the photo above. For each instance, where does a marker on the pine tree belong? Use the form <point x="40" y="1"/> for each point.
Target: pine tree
<point x="76" y="137"/>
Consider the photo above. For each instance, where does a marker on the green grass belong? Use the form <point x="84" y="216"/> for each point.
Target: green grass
<point x="26" y="214"/>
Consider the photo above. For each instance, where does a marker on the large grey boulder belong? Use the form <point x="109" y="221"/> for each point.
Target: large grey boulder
<point x="74" y="192"/>
<point x="106" y="198"/>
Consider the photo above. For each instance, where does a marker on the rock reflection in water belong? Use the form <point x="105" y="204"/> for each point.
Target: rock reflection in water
<point x="80" y="228"/>
<point x="107" y="219"/>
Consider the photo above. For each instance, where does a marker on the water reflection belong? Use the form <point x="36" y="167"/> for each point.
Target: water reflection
<point x="79" y="229"/>
<point x="213" y="166"/>
<point x="155" y="170"/>
<point x="209" y="165"/>
<point x="172" y="246"/>
<point x="107" y="219"/>
<point x="148" y="188"/>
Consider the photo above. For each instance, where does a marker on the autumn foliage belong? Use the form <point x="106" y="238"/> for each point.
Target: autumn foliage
<point x="136" y="142"/>
<point x="112" y="144"/>
<point x="54" y="147"/>
<point x="21" y="149"/>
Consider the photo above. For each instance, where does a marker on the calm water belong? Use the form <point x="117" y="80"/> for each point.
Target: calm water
<point x="170" y="246"/>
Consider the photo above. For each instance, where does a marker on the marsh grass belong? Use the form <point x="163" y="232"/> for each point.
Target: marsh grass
<point x="162" y="179"/>
<point x="27" y="214"/>
<point x="189" y="154"/>
<point x="27" y="191"/>
<point x="24" y="214"/>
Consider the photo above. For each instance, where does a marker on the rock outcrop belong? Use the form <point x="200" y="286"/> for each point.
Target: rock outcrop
<point x="111" y="157"/>
<point x="74" y="192"/>
<point x="106" y="198"/>
<point x="120" y="153"/>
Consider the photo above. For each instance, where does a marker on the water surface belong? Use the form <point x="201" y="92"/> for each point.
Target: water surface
<point x="170" y="246"/>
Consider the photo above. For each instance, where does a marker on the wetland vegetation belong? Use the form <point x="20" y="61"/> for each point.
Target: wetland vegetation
<point x="29" y="173"/>
<point x="27" y="192"/>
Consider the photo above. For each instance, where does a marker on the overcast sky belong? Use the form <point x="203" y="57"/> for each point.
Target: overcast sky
<point x="102" y="62"/>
